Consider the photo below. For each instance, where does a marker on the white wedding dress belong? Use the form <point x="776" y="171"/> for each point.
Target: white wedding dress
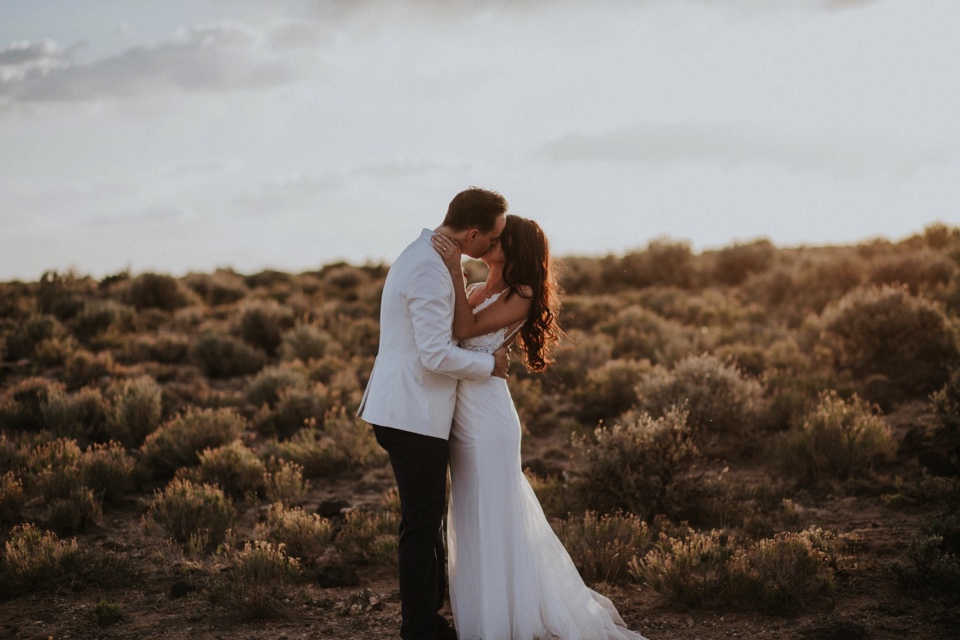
<point x="510" y="577"/>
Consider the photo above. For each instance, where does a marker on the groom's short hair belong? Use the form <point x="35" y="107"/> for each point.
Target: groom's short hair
<point x="475" y="208"/>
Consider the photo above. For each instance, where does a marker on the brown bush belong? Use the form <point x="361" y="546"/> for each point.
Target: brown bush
<point x="232" y="467"/>
<point x="30" y="333"/>
<point x="195" y="516"/>
<point x="305" y="536"/>
<point x="923" y="272"/>
<point x="178" y="441"/>
<point x="886" y="331"/>
<point x="99" y="316"/>
<point x="255" y="583"/>
<point x="137" y="409"/>
<point x="21" y="405"/>
<point x="221" y="356"/>
<point x="83" y="367"/>
<point x="609" y="390"/>
<point x="639" y="334"/>
<point x="221" y="287"/>
<point x="158" y="291"/>
<point x="262" y="323"/>
<point x="601" y="546"/>
<point x="735" y="264"/>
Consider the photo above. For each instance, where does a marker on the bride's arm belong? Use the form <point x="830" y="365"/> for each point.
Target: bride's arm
<point x="466" y="324"/>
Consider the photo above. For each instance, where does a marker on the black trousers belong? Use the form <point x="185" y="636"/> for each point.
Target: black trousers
<point x="420" y="467"/>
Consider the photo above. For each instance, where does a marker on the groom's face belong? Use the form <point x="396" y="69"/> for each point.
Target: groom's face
<point x="476" y="243"/>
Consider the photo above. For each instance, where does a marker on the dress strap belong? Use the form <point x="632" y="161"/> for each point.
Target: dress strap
<point x="516" y="329"/>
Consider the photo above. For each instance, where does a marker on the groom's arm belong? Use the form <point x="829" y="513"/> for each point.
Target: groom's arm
<point x="428" y="297"/>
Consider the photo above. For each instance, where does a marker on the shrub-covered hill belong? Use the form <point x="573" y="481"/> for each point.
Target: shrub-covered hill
<point x="748" y="442"/>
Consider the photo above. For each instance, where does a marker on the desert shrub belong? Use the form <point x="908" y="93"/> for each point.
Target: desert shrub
<point x="34" y="560"/>
<point x="690" y="572"/>
<point x="946" y="403"/>
<point x="108" y="470"/>
<point x="29" y="334"/>
<point x="346" y="443"/>
<point x="83" y="367"/>
<point x="306" y="342"/>
<point x="165" y="347"/>
<point x="103" y="614"/>
<point x="11" y="500"/>
<point x="232" y="467"/>
<point x="836" y="441"/>
<point x="221" y="356"/>
<point x="81" y="415"/>
<point x="256" y="580"/>
<point x="584" y="312"/>
<point x="735" y="264"/>
<point x="554" y="495"/>
<point x="634" y="467"/>
<point x="266" y="387"/>
<point x="99" y="316"/>
<point x="21" y="405"/>
<point x="602" y="546"/>
<point x="262" y="323"/>
<point x="719" y="399"/>
<point x="296" y="409"/>
<point x="195" y="516"/>
<point x="158" y="291"/>
<point x="75" y="512"/>
<point x="137" y="409"/>
<point x="923" y="272"/>
<point x="305" y="536"/>
<point x="639" y="333"/>
<point x="609" y="390"/>
<point x="221" y="287"/>
<point x="934" y="558"/>
<point x="580" y="351"/>
<point x="886" y="331"/>
<point x="63" y="294"/>
<point x="283" y="481"/>
<point x="786" y="574"/>
<point x="177" y="442"/>
<point x="368" y="538"/>
<point x="54" y="352"/>
<point x="662" y="263"/>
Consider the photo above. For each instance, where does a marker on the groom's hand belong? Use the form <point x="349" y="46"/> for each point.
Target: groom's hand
<point x="501" y="362"/>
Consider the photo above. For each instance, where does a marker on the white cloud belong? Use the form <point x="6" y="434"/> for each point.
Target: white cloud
<point x="728" y="145"/>
<point x="209" y="58"/>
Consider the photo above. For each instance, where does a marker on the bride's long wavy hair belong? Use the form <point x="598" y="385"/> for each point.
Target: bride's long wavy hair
<point x="527" y="263"/>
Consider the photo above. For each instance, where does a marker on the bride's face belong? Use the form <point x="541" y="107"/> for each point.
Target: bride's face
<point x="494" y="255"/>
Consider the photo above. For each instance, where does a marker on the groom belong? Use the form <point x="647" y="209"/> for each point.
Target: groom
<point x="412" y="392"/>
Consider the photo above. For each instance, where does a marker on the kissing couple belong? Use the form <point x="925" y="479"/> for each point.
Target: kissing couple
<point x="438" y="396"/>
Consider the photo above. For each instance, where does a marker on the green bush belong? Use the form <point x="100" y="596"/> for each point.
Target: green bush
<point x="719" y="399"/>
<point x="137" y="409"/>
<point x="104" y="613"/>
<point x="634" y="467"/>
<point x="177" y="442"/>
<point x="232" y="467"/>
<point x="304" y="536"/>
<point x="195" y="516"/>
<point x="368" y="538"/>
<point x="262" y="323"/>
<point x="601" y="546"/>
<point x="255" y="583"/>
<point x="836" y="441"/>
<point x="886" y="331"/>
<point x="21" y="405"/>
<point x="221" y="356"/>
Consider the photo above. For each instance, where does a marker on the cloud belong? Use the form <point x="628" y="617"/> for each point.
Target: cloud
<point x="301" y="35"/>
<point x="201" y="59"/>
<point x="730" y="145"/>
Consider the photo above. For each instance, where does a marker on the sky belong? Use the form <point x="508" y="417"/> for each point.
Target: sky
<point x="190" y="135"/>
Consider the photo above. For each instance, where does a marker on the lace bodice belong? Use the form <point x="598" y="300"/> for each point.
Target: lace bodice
<point x="488" y="342"/>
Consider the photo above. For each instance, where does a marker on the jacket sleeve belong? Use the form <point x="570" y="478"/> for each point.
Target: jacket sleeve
<point x="431" y="308"/>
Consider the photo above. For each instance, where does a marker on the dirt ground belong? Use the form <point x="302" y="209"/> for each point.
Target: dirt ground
<point x="869" y="605"/>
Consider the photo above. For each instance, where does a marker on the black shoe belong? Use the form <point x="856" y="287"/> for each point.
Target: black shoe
<point x="445" y="630"/>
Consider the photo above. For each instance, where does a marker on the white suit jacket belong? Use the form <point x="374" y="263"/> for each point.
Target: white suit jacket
<point x="413" y="385"/>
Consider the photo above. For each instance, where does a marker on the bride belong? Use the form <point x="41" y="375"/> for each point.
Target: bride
<point x="510" y="576"/>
